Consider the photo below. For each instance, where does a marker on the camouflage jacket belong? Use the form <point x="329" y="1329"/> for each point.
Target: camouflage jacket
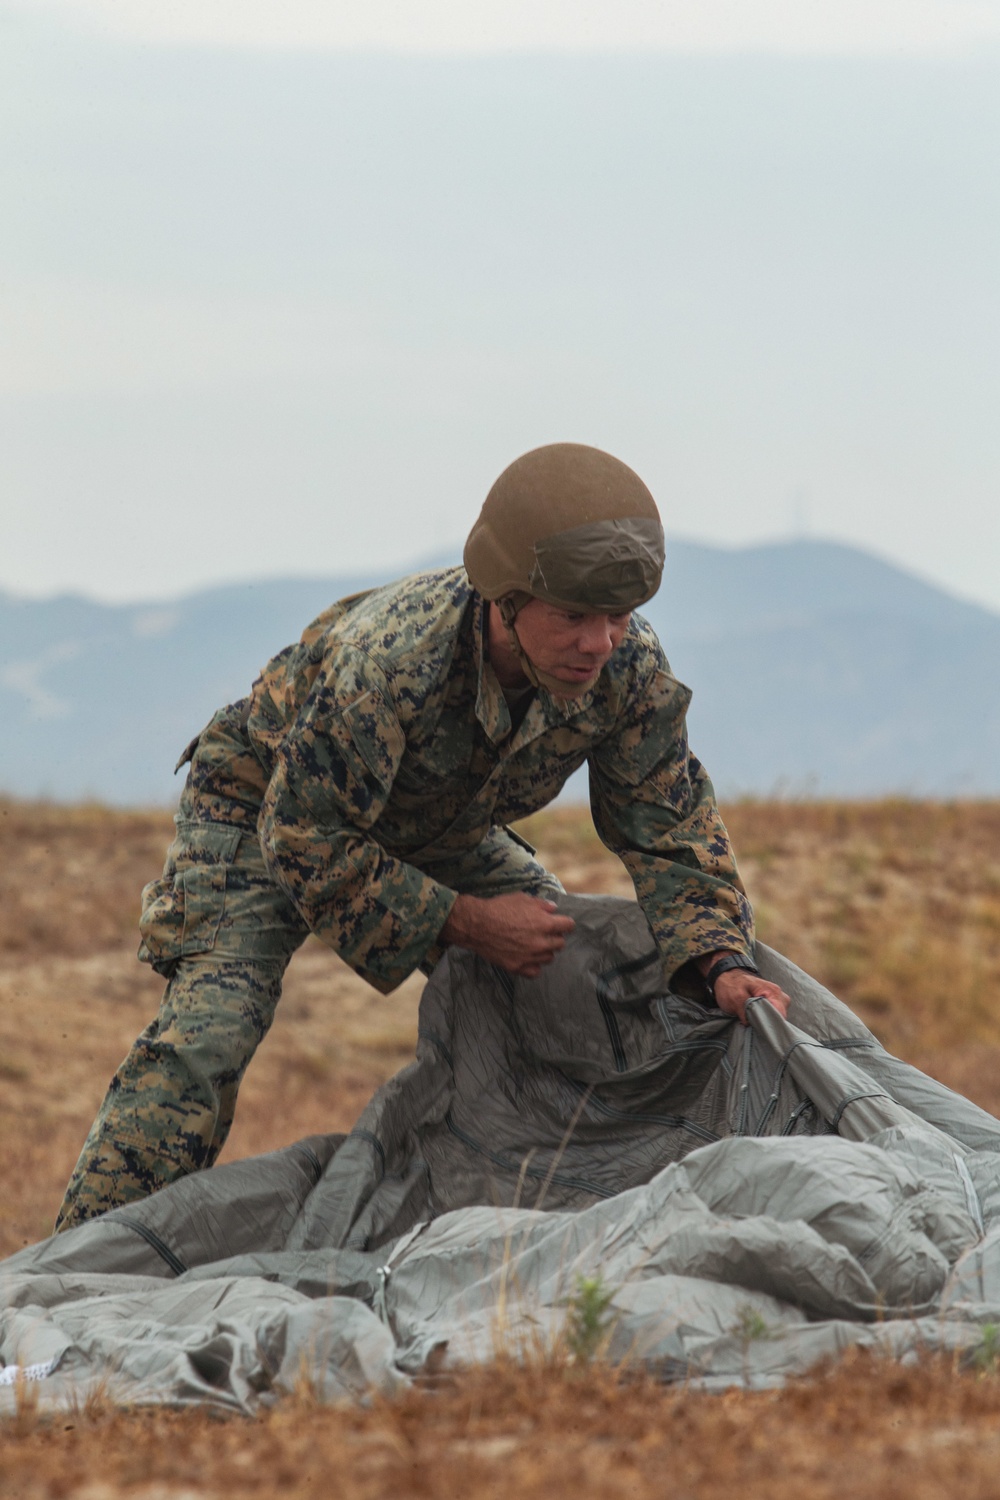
<point x="378" y="761"/>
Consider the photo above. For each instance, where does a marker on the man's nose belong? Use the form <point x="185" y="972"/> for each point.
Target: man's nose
<point x="595" y="636"/>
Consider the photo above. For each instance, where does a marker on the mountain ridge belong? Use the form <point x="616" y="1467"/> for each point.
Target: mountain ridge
<point x="816" y="668"/>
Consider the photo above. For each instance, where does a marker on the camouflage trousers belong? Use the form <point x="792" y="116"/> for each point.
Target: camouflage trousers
<point x="222" y="932"/>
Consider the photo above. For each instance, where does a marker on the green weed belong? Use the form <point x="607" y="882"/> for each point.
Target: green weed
<point x="587" y="1318"/>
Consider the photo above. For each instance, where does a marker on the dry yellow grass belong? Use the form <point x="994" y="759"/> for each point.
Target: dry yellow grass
<point x="895" y="904"/>
<point x="866" y="1431"/>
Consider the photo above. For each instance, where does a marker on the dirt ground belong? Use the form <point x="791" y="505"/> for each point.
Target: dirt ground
<point x="896" y="905"/>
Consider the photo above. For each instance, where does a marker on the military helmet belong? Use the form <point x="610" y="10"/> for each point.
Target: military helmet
<point x="570" y="525"/>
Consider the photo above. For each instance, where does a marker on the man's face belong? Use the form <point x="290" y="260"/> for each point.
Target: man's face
<point x="573" y="648"/>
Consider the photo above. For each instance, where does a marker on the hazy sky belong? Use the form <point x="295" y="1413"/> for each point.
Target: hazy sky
<point x="283" y="287"/>
<point x="476" y="26"/>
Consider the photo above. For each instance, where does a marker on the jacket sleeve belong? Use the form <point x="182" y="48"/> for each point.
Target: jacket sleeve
<point x="654" y="806"/>
<point x="333" y="774"/>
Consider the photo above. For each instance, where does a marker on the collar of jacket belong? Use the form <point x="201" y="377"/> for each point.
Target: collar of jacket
<point x="545" y="711"/>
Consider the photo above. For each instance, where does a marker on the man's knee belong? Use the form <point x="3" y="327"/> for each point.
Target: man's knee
<point x="214" y="1015"/>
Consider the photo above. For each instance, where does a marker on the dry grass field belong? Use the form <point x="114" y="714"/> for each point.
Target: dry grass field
<point x="896" y="905"/>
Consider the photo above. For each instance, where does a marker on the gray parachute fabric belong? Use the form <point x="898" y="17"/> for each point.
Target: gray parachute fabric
<point x="753" y="1198"/>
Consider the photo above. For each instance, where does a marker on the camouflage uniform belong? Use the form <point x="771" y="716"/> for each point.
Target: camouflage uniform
<point x="365" y="782"/>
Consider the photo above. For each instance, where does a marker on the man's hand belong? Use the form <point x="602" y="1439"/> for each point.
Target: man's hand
<point x="519" y="932"/>
<point x="736" y="986"/>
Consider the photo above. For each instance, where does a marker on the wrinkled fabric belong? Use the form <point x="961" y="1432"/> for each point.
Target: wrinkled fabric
<point x="752" y="1199"/>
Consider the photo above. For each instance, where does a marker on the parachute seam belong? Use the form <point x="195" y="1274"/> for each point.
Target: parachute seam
<point x="155" y="1243"/>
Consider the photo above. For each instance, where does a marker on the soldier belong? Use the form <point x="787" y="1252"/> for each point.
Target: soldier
<point x="363" y="790"/>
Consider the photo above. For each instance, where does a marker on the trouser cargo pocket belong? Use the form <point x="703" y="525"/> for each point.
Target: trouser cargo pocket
<point x="182" y="911"/>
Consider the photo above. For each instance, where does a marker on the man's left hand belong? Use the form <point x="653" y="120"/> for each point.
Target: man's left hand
<point x="736" y="986"/>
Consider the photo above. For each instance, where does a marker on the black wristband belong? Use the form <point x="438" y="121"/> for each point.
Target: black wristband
<point x="730" y="961"/>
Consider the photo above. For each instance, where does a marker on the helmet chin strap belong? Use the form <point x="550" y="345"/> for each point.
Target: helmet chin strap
<point x="508" y="614"/>
<point x="509" y="606"/>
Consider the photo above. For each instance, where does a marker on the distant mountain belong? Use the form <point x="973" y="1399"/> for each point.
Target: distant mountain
<point x="816" y="669"/>
<point x="819" y="668"/>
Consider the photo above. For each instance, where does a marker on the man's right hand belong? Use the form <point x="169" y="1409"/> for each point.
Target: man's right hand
<point x="519" y="932"/>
